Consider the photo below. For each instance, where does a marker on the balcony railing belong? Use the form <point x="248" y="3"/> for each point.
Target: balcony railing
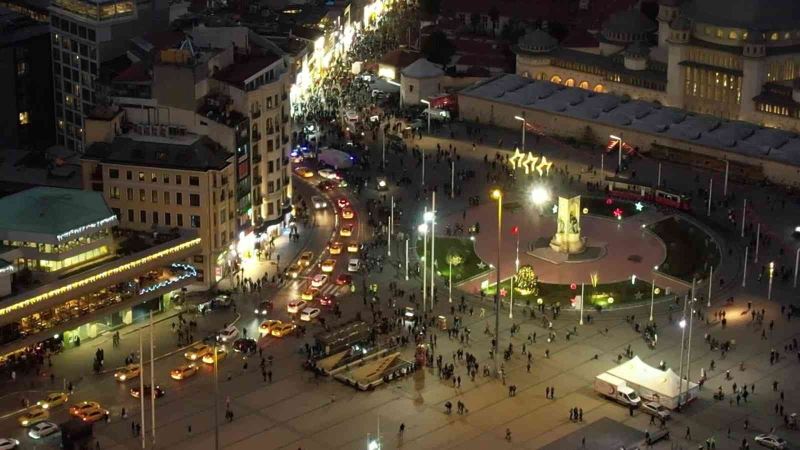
<point x="255" y="114"/>
<point x="256" y="158"/>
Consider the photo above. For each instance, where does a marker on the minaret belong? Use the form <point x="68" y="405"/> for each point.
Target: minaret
<point x="680" y="29"/>
<point x="667" y="12"/>
<point x="753" y="72"/>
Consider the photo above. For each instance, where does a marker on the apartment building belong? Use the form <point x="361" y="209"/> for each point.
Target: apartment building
<point x="85" y="35"/>
<point x="157" y="178"/>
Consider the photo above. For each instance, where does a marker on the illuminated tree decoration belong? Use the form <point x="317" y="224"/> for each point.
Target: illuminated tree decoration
<point x="530" y="163"/>
<point x="526" y="282"/>
<point x="618" y="213"/>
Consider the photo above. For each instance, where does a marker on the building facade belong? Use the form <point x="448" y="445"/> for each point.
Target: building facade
<point x="85" y="35"/>
<point x="731" y="59"/>
<point x="26" y="113"/>
<point x="176" y="181"/>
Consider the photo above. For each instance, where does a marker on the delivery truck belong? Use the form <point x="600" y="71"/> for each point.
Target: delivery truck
<point x="616" y="389"/>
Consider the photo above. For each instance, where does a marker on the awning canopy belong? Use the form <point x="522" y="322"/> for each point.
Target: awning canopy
<point x="336" y="158"/>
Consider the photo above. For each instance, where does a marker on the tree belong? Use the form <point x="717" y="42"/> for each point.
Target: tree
<point x="431" y="7"/>
<point x="474" y="20"/>
<point x="526" y="282"/>
<point x="494" y="15"/>
<point x="589" y="137"/>
<point x="438" y="49"/>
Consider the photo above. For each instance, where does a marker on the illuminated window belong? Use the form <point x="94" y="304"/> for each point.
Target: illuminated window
<point x="569" y="83"/>
<point x="599" y="88"/>
<point x="555" y="79"/>
<point x="733" y="35"/>
<point x="584" y="85"/>
<point x="774" y="37"/>
<point x="23" y="118"/>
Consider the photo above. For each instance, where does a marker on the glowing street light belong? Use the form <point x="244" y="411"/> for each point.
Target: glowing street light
<point x="522" y="119"/>
<point x="423" y="230"/>
<point x="497" y="194"/>
<point x="540" y="195"/>
<point x="425" y="102"/>
<point x="619" y="142"/>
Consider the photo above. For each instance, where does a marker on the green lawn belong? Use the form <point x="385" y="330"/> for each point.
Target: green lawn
<point x="470" y="266"/>
<point x="621" y="292"/>
<point x="690" y="251"/>
<point x="605" y="207"/>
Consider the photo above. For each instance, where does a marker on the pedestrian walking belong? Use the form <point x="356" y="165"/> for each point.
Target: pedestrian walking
<point x="402" y="429"/>
<point x="688" y="436"/>
<point x="508" y="434"/>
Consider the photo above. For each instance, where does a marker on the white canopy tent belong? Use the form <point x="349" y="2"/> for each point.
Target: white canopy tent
<point x="336" y="158"/>
<point x="653" y="384"/>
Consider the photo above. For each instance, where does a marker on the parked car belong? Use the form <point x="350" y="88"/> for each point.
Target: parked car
<point x="42" y="430"/>
<point x="11" y="444"/>
<point x="245" y="345"/>
<point x="771" y="441"/>
<point x="228" y="334"/>
<point x="309" y="314"/>
<point x="654" y="409"/>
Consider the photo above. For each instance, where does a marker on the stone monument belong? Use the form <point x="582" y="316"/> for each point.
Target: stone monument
<point x="567" y="239"/>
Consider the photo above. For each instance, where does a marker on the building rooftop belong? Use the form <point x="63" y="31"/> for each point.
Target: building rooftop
<point x="239" y="72"/>
<point x="59" y="212"/>
<point x="730" y="136"/>
<point x="762" y="15"/>
<point x="400" y="58"/>
<point x="422" y="68"/>
<point x="189" y="152"/>
<point x="16" y="27"/>
<point x="22" y="169"/>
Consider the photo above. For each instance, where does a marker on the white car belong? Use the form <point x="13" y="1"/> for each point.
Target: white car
<point x="318" y="280"/>
<point x="328" y="174"/>
<point x="43" y="429"/>
<point x="228" y="334"/>
<point x="771" y="441"/>
<point x="8" y="444"/>
<point x="319" y="202"/>
<point x="654" y="409"/>
<point x="309" y="314"/>
<point x="295" y="306"/>
<point x="354" y="265"/>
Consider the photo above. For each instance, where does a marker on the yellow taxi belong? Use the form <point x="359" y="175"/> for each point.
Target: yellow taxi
<point x="183" y="372"/>
<point x="303" y="172"/>
<point x="294" y="270"/>
<point x="53" y="400"/>
<point x="33" y="416"/>
<point x="346" y="230"/>
<point x="305" y="258"/>
<point x="92" y="415"/>
<point x="335" y="248"/>
<point x="78" y="408"/>
<point x="352" y="247"/>
<point x="128" y="373"/>
<point x="309" y="294"/>
<point x="221" y="354"/>
<point x="283" y="329"/>
<point x="197" y="351"/>
<point x="328" y="265"/>
<point x="267" y="325"/>
<point x="348" y="213"/>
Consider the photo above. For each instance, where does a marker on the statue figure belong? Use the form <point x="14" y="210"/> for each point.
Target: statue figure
<point x="574" y="224"/>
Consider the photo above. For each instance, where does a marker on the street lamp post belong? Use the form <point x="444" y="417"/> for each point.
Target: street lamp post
<point x="653" y="292"/>
<point x="516" y="269"/>
<point x="769" y="286"/>
<point x="744" y="211"/>
<point x="796" y="262"/>
<point x="450" y="284"/>
<point x="689" y="342"/>
<point x="758" y="239"/>
<point x="582" y="300"/>
<point x="406" y="259"/>
<point x="453" y="179"/>
<point x="428" y="104"/>
<point x="744" y="271"/>
<point x="524" y="123"/>
<point x="433" y="242"/>
<point x="682" y="324"/>
<point x="497" y="194"/>
<point x="619" y="157"/>
<point x="725" y="183"/>
<point x="710" y="284"/>
<point x="658" y="180"/>
<point x="423" y="230"/>
<point x="383" y="147"/>
<point x="390" y="230"/>
<point x="710" y="191"/>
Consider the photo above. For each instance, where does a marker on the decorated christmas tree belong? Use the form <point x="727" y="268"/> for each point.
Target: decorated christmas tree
<point x="526" y="282"/>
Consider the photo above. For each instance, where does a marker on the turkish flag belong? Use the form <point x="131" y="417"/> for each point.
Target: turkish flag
<point x="515" y="230"/>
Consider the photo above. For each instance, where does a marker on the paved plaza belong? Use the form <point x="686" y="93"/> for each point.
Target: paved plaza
<point x="297" y="410"/>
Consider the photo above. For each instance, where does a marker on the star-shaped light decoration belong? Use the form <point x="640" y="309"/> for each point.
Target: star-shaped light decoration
<point x="516" y="159"/>
<point x="481" y="265"/>
<point x="639" y="206"/>
<point x="503" y="292"/>
<point x="544" y="167"/>
<point x="555" y="209"/>
<point x="618" y="213"/>
<point x="529" y="163"/>
<point x="638" y="295"/>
